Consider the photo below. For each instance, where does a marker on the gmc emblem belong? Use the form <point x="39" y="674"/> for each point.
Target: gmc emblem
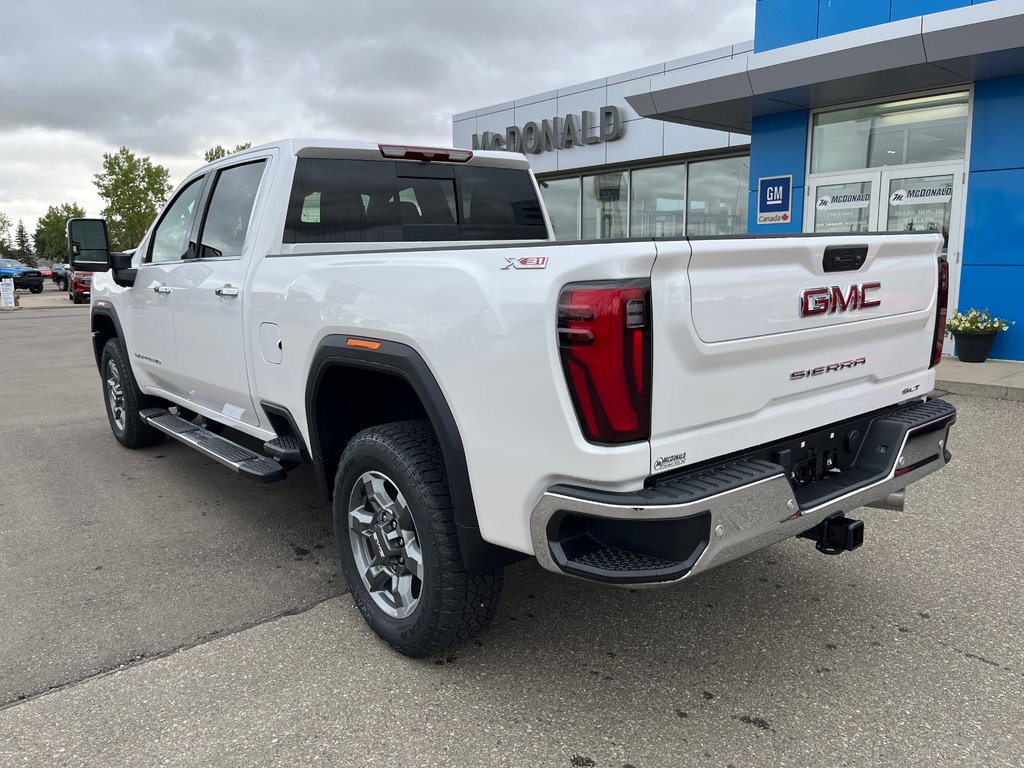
<point x="829" y="301"/>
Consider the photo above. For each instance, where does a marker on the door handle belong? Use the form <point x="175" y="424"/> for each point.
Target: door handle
<point x="227" y="290"/>
<point x="164" y="289"/>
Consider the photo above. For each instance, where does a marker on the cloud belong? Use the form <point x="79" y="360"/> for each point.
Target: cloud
<point x="170" y="80"/>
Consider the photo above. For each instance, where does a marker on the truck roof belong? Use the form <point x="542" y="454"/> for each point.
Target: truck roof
<point x="309" y="147"/>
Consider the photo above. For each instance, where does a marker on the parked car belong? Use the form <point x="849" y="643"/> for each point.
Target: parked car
<point x="60" y="275"/>
<point x="24" y="277"/>
<point x="79" y="286"/>
<point x="46" y="272"/>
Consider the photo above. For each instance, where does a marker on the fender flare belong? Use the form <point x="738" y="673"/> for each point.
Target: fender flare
<point x="105" y="310"/>
<point x="400" y="360"/>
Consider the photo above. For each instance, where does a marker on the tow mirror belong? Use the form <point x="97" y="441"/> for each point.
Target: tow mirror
<point x="88" y="245"/>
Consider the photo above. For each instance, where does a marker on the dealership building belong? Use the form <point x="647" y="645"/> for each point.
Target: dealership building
<point x="840" y="116"/>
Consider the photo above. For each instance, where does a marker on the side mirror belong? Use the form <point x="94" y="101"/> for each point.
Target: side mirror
<point x="88" y="245"/>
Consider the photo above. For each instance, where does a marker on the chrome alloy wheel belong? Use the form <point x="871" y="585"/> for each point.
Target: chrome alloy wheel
<point x="115" y="394"/>
<point x="383" y="538"/>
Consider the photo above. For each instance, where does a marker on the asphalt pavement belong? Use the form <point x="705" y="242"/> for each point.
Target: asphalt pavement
<point x="158" y="610"/>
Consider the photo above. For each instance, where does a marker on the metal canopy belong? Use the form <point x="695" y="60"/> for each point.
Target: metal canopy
<point x="942" y="49"/>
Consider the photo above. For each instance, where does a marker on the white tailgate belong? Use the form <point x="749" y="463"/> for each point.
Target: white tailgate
<point x="737" y="364"/>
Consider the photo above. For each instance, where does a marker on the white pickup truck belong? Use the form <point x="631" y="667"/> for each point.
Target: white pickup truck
<point x="469" y="391"/>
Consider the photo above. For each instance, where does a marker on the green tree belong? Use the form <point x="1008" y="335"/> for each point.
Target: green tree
<point x="6" y="248"/>
<point x="51" y="231"/>
<point x="134" y="190"/>
<point x="22" y="246"/>
<point x="217" y="152"/>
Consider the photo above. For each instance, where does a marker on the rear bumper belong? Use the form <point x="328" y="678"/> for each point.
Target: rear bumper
<point x="705" y="518"/>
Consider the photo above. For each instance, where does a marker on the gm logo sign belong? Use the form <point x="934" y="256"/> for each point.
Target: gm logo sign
<point x="774" y="199"/>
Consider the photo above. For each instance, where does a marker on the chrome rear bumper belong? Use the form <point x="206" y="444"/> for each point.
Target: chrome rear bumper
<point x="727" y="511"/>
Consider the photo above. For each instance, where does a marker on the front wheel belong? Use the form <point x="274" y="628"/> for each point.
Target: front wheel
<point x="35" y="289"/>
<point x="124" y="400"/>
<point x="395" y="532"/>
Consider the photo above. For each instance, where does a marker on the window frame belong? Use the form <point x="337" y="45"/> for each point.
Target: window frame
<point x="661" y="162"/>
<point x="208" y="197"/>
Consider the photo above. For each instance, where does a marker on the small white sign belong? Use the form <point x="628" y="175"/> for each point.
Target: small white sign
<point x="7" y="293"/>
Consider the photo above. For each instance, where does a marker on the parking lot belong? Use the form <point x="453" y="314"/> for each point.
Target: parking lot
<point x="159" y="610"/>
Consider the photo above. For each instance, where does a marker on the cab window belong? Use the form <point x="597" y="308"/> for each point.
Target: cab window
<point x="170" y="241"/>
<point x="229" y="211"/>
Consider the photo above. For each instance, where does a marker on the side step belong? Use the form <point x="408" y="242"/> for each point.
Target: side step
<point x="253" y="465"/>
<point x="287" y="448"/>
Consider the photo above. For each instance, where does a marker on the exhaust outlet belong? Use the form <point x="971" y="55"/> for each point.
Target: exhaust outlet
<point x="894" y="501"/>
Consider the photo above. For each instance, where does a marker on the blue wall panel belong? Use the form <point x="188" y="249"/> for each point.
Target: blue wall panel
<point x="835" y="16"/>
<point x="995" y="130"/>
<point x="904" y="9"/>
<point x="778" y="147"/>
<point x="784" y="22"/>
<point x="992" y="275"/>
<point x="998" y="290"/>
<point x="994" y="231"/>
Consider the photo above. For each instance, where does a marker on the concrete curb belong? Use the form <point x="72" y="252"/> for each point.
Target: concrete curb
<point x="973" y="389"/>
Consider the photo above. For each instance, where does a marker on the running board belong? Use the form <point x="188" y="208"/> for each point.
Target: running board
<point x="253" y="465"/>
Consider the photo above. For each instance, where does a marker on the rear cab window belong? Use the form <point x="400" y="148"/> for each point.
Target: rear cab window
<point x="347" y="200"/>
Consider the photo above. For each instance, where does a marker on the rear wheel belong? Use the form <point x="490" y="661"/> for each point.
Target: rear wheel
<point x="396" y="537"/>
<point x="124" y="400"/>
<point x="62" y="284"/>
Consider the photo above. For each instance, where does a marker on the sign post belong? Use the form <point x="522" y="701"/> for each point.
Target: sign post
<point x="775" y="199"/>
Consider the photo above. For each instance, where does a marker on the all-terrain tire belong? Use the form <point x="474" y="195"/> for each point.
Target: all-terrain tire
<point x="124" y="400"/>
<point x="403" y="461"/>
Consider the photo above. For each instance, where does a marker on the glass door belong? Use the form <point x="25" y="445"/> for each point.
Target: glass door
<point x="928" y="200"/>
<point x="902" y="199"/>
<point x="846" y="203"/>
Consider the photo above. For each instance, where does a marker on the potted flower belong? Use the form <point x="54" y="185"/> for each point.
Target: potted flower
<point x="974" y="332"/>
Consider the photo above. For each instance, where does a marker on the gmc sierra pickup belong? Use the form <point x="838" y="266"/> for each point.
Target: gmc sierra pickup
<point x="469" y="391"/>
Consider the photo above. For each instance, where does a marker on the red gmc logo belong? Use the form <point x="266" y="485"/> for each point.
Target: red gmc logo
<point x="829" y="301"/>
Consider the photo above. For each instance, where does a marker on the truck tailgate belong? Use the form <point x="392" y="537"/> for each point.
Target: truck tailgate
<point x="754" y="340"/>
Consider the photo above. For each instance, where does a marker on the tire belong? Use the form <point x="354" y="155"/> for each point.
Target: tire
<point x="76" y="298"/>
<point x="394" y="529"/>
<point x="123" y="400"/>
<point x="35" y="289"/>
<point x="62" y="285"/>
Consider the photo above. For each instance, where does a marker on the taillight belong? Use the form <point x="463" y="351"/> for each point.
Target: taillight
<point x="940" y="316"/>
<point x="604" y="336"/>
<point x="426" y="154"/>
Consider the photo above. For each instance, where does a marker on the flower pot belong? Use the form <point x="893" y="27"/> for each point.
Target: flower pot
<point x="974" y="347"/>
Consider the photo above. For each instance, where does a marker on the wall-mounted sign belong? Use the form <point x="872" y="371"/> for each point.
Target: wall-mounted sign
<point x="774" y="199"/>
<point x="557" y="133"/>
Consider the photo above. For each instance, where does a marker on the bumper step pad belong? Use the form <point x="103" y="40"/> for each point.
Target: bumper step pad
<point x="255" y="466"/>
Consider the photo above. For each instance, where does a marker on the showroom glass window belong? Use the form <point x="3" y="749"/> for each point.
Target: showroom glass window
<point x="605" y="205"/>
<point x="658" y="205"/>
<point x="717" y="197"/>
<point x="562" y="199"/>
<point x="931" y="129"/>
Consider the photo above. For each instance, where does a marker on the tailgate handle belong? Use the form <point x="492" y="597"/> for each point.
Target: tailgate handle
<point x="844" y="258"/>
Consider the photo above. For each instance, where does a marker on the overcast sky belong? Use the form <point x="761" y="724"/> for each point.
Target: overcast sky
<point x="170" y="80"/>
